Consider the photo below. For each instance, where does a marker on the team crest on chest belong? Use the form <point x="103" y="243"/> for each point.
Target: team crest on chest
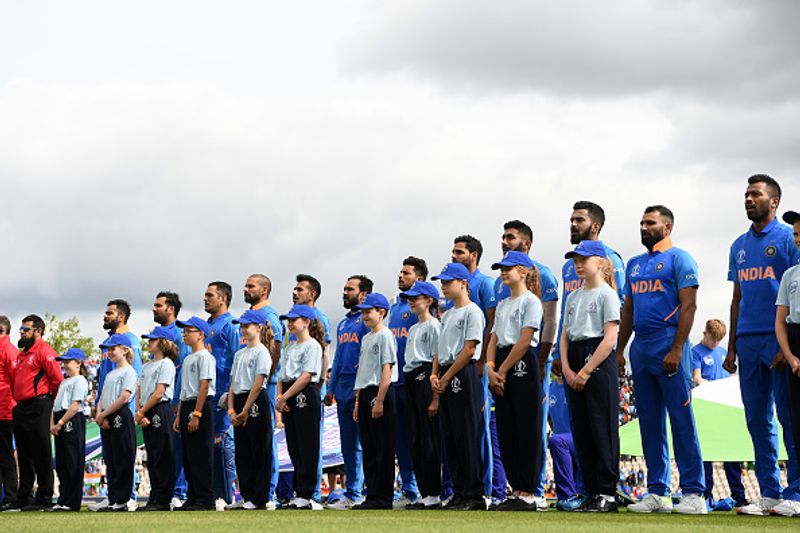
<point x="460" y="324"/>
<point x="519" y="369"/>
<point x="635" y="270"/>
<point x="741" y="256"/>
<point x="660" y="266"/>
<point x="424" y="337"/>
<point x="592" y="307"/>
<point x="770" y="250"/>
<point x="375" y="349"/>
<point x="406" y="315"/>
<point x="793" y="287"/>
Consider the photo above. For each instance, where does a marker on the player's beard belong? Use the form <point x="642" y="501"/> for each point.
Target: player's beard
<point x="25" y="344"/>
<point x="577" y="237"/>
<point x="649" y="240"/>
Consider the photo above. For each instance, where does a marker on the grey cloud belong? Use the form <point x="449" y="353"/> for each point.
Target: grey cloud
<point x="744" y="51"/>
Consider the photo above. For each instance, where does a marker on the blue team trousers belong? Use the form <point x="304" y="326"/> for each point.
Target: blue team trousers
<point x="765" y="391"/>
<point x="657" y="394"/>
<point x="348" y="435"/>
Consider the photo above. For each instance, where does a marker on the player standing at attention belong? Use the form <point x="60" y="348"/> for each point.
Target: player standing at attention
<point x="68" y="426"/>
<point x="518" y="236"/>
<point x="155" y="416"/>
<point x="758" y="260"/>
<point x="590" y="369"/>
<point x="422" y="418"/>
<point x="787" y="329"/>
<point x="513" y="370"/>
<point x="455" y="379"/>
<point x="374" y="403"/>
<point x="401" y="319"/>
<point x="341" y="386"/>
<point x="660" y="304"/>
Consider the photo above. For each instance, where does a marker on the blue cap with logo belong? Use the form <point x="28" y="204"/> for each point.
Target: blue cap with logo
<point x="421" y="288"/>
<point x="252" y="316"/>
<point x="374" y="300"/>
<point x="512" y="259"/>
<point x="300" y="311"/>
<point x="197" y="323"/>
<point x="588" y="249"/>
<point x="117" y="340"/>
<point x="790" y="217"/>
<point x="161" y="332"/>
<point x="73" y="354"/>
<point x="452" y="271"/>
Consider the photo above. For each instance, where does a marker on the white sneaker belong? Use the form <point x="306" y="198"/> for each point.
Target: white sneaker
<point x="692" y="504"/>
<point x="94" y="507"/>
<point x="131" y="505"/>
<point x="759" y="508"/>
<point x="652" y="503"/>
<point x="220" y="504"/>
<point x="249" y="506"/>
<point x="342" y="504"/>
<point x="175" y="503"/>
<point x="541" y="503"/>
<point x="786" y="508"/>
<point x="271" y="506"/>
<point x="401" y="502"/>
<point x="429" y="501"/>
<point x="316" y="506"/>
<point x="239" y="504"/>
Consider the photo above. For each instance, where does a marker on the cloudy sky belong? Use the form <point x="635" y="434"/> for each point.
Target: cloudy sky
<point x="161" y="145"/>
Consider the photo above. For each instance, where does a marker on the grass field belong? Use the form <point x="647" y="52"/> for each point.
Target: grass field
<point x="387" y="521"/>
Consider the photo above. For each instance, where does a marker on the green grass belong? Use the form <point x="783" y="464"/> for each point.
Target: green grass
<point x="386" y="521"/>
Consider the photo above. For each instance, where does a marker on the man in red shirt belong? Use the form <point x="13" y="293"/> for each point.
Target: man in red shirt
<point x="36" y="381"/>
<point x="8" y="465"/>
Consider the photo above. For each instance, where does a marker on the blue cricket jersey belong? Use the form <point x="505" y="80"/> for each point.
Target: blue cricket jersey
<point x="757" y="263"/>
<point x="654" y="280"/>
<point x="349" y="333"/>
<point x="709" y="362"/>
<point x="224" y="340"/>
<point x="559" y="410"/>
<point x="400" y="321"/>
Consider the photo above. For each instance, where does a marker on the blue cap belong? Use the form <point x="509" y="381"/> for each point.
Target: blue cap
<point x="512" y="259"/>
<point x="195" y="322"/>
<point x="117" y="340"/>
<point x="161" y="332"/>
<point x="252" y="316"/>
<point x="452" y="271"/>
<point x="73" y="354"/>
<point x="587" y="249"/>
<point x="300" y="311"/>
<point x="421" y="288"/>
<point x="790" y="217"/>
<point x="374" y="300"/>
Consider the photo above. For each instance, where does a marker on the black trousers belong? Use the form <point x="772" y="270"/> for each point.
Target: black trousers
<point x="254" y="448"/>
<point x="595" y="424"/>
<point x="423" y="432"/>
<point x="793" y="385"/>
<point x="159" y="441"/>
<point x="8" y="464"/>
<point x="32" y="436"/>
<point x="462" y="426"/>
<point x="301" y="425"/>
<point x="198" y="453"/>
<point x="378" y="444"/>
<point x="518" y="421"/>
<point x="70" y="445"/>
<point x="119" y="447"/>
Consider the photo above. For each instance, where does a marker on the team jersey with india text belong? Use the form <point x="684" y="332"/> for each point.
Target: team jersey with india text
<point x="348" y="347"/>
<point x="757" y="262"/>
<point x="654" y="280"/>
<point x="400" y="321"/>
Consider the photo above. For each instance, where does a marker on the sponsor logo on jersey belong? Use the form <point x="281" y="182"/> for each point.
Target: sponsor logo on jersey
<point x="635" y="270"/>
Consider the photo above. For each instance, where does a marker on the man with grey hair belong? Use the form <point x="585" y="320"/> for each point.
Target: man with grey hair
<point x="8" y="465"/>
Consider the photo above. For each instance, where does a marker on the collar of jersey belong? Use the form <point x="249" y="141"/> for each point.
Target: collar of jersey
<point x="766" y="229"/>
<point x="122" y="330"/>
<point x="663" y="245"/>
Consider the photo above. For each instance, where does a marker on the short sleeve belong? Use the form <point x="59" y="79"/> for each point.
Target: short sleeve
<point x="549" y="285"/>
<point x="695" y="359"/>
<point x="129" y="381"/>
<point x="619" y="275"/>
<point x="532" y="313"/>
<point x="166" y="373"/>
<point x="487" y="294"/>
<point x="206" y="367"/>
<point x="793" y="251"/>
<point x="263" y="362"/>
<point x="496" y="290"/>
<point x="80" y="390"/>
<point x="686" y="274"/>
<point x="433" y="336"/>
<point x="312" y="358"/>
<point x="277" y="327"/>
<point x="326" y="325"/>
<point x="473" y="324"/>
<point x="627" y="291"/>
<point x="783" y="290"/>
<point x="732" y="263"/>
<point x="610" y="306"/>
<point x="388" y="350"/>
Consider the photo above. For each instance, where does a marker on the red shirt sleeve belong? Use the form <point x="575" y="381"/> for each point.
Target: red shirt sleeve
<point x="48" y="363"/>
